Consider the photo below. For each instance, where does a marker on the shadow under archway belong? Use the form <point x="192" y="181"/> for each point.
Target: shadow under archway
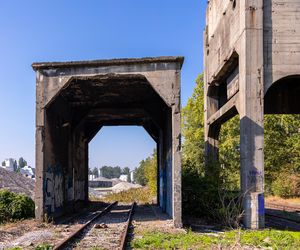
<point x="283" y="96"/>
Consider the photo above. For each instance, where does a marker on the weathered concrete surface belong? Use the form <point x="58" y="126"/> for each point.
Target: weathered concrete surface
<point x="252" y="67"/>
<point x="75" y="99"/>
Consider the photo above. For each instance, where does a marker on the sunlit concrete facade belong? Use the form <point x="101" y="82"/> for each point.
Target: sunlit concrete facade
<point x="75" y="99"/>
<point x="252" y="68"/>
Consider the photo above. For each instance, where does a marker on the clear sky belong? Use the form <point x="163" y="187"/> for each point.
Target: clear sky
<point x="56" y="30"/>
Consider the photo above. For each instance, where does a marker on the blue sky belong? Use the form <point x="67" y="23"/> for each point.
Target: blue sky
<point x="35" y="30"/>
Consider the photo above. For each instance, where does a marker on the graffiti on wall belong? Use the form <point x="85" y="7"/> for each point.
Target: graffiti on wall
<point x="255" y="179"/>
<point x="53" y="186"/>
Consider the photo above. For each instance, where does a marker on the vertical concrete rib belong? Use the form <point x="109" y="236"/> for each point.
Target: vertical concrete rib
<point x="251" y="113"/>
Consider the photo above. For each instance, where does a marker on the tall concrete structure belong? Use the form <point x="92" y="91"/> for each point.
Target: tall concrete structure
<point x="75" y="99"/>
<point x="252" y="68"/>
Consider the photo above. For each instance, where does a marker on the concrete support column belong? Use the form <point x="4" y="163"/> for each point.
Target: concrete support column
<point x="158" y="155"/>
<point x="176" y="155"/>
<point x="86" y="171"/>
<point x="39" y="149"/>
<point x="177" y="213"/>
<point x="212" y="151"/>
<point x="251" y="113"/>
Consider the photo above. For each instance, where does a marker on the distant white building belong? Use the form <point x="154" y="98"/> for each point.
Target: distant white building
<point x="28" y="171"/>
<point x="132" y="176"/>
<point x="123" y="177"/>
<point x="9" y="164"/>
<point x="92" y="177"/>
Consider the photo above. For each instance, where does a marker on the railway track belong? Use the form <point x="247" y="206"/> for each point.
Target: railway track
<point x="107" y="229"/>
<point x="282" y="222"/>
<point x="283" y="217"/>
<point x="270" y="205"/>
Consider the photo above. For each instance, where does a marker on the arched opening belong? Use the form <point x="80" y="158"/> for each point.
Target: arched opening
<point x="86" y="105"/>
<point x="283" y="96"/>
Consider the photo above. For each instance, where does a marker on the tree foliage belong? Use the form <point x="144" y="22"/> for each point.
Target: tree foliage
<point x="15" y="206"/>
<point x="95" y="172"/>
<point x="282" y="148"/>
<point x="126" y="171"/>
<point x="22" y="162"/>
<point x="146" y="173"/>
<point x="139" y="174"/>
<point x="193" y="129"/>
<point x="111" y="172"/>
<point x="229" y="154"/>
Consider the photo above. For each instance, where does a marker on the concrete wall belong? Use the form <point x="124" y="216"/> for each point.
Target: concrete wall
<point x="281" y="40"/>
<point x="74" y="100"/>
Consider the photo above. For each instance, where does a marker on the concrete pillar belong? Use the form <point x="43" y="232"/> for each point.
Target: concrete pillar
<point x="212" y="151"/>
<point x="39" y="149"/>
<point x="251" y="113"/>
<point x="158" y="155"/>
<point x="176" y="156"/>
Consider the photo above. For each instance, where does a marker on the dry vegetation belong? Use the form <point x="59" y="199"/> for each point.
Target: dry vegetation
<point x="140" y="195"/>
<point x="293" y="202"/>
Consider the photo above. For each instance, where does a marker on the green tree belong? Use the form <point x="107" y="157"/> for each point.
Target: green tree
<point x="139" y="174"/>
<point x="146" y="173"/>
<point x="111" y="172"/>
<point x="151" y="172"/>
<point x="16" y="166"/>
<point x="282" y="153"/>
<point x="193" y="130"/>
<point x="126" y="171"/>
<point x="229" y="154"/>
<point x="95" y="172"/>
<point x="22" y="163"/>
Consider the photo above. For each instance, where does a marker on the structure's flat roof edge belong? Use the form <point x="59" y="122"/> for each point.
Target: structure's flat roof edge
<point x="109" y="62"/>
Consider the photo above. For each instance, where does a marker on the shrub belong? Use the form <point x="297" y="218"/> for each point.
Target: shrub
<point x="43" y="247"/>
<point x="205" y="197"/>
<point x="15" y="206"/>
<point x="286" y="185"/>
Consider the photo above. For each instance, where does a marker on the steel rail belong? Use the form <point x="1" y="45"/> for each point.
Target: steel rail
<point x="282" y="217"/>
<point x="282" y="207"/>
<point x="66" y="241"/>
<point x="124" y="236"/>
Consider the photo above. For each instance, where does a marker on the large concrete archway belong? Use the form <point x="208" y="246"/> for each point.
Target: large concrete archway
<point x="75" y="99"/>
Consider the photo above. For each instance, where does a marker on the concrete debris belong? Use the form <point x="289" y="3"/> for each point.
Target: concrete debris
<point x="101" y="225"/>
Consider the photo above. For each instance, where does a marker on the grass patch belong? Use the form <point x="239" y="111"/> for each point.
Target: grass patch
<point x="140" y="195"/>
<point x="43" y="247"/>
<point x="272" y="239"/>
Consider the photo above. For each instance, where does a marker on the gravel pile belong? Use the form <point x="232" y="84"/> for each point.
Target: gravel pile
<point x="17" y="183"/>
<point x="28" y="240"/>
<point x="123" y="186"/>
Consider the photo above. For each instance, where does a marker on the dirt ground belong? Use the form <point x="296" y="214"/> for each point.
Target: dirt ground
<point x="150" y="218"/>
<point x="293" y="202"/>
<point x="30" y="233"/>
